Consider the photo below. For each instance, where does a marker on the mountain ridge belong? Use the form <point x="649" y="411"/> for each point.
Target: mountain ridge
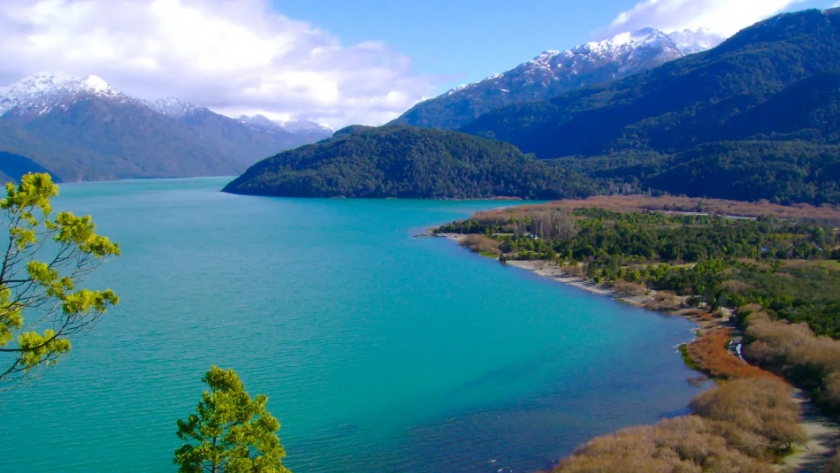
<point x="554" y="72"/>
<point x="762" y="107"/>
<point x="84" y="129"/>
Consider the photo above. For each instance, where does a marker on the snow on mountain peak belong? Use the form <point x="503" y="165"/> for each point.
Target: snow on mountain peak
<point x="633" y="51"/>
<point x="41" y="92"/>
<point x="97" y="84"/>
<point x="690" y="42"/>
<point x="173" y="107"/>
<point x="291" y="125"/>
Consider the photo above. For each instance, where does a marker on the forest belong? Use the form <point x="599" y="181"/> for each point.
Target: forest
<point x="789" y="267"/>
<point x="405" y="162"/>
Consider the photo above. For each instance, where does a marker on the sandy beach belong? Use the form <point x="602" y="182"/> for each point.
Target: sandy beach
<point x="556" y="273"/>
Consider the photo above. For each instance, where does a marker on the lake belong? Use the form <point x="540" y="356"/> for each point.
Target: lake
<point x="379" y="352"/>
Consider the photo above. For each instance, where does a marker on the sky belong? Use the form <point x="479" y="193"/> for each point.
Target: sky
<point x="335" y="62"/>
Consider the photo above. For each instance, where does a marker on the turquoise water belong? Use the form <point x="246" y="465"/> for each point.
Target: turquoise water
<point x="379" y="352"/>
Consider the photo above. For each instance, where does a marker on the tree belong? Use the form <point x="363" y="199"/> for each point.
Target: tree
<point x="231" y="433"/>
<point x="45" y="259"/>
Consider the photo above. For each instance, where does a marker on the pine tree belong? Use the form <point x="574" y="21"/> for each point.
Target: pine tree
<point x="231" y="432"/>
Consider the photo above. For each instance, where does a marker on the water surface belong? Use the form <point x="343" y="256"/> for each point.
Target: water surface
<point x="379" y="352"/>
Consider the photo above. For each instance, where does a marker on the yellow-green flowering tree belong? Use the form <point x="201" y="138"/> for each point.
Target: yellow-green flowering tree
<point x="230" y="432"/>
<point x="44" y="259"/>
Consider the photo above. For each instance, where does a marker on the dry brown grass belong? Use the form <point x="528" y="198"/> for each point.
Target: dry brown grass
<point x="710" y="355"/>
<point x="664" y="301"/>
<point x="625" y="288"/>
<point x="759" y="406"/>
<point x="833" y="465"/>
<point x="574" y="270"/>
<point x="635" y="203"/>
<point x="739" y="427"/>
<point x="482" y="244"/>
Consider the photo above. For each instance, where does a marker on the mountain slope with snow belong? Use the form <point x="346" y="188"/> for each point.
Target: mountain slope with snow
<point x="84" y="129"/>
<point x="554" y="72"/>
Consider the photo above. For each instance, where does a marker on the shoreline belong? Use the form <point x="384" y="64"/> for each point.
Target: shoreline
<point x="823" y="432"/>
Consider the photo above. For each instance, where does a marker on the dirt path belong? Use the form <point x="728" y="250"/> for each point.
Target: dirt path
<point x="825" y="439"/>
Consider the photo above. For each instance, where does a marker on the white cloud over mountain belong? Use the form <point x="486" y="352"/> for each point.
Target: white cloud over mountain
<point x="724" y="17"/>
<point x="232" y="56"/>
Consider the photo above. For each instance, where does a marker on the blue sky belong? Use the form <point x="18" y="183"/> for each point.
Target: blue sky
<point x="335" y="62"/>
<point x="467" y="40"/>
<point x="461" y="40"/>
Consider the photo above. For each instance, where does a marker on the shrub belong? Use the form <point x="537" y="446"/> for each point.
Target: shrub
<point x="625" y="288"/>
<point x="793" y="351"/>
<point x="740" y="426"/>
<point x="710" y="355"/>
<point x="574" y="270"/>
<point x="761" y="406"/>
<point x="833" y="465"/>
<point x="686" y="444"/>
<point x="482" y="244"/>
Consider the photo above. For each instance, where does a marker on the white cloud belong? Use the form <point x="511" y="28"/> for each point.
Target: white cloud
<point x="232" y="56"/>
<point x="725" y="17"/>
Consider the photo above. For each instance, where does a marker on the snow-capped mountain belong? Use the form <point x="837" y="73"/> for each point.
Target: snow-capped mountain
<point x="691" y="42"/>
<point x="174" y="107"/>
<point x="554" y="72"/>
<point x="39" y="93"/>
<point x="84" y="129"/>
<point x="292" y="126"/>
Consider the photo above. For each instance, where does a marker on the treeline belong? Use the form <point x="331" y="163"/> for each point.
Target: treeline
<point x="406" y="162"/>
<point x="786" y="266"/>
<point x="781" y="172"/>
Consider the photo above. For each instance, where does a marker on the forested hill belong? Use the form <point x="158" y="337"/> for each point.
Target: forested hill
<point x="406" y="162"/>
<point x="771" y="94"/>
<point x="689" y="101"/>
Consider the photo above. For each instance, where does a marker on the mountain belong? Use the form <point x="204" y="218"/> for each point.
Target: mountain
<point x="762" y="106"/>
<point x="303" y="128"/>
<point x="407" y="162"/>
<point x="84" y="129"/>
<point x="554" y="72"/>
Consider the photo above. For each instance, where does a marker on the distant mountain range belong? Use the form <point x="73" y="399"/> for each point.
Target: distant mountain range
<point x="756" y="117"/>
<point x="554" y="72"/>
<point x="84" y="129"/>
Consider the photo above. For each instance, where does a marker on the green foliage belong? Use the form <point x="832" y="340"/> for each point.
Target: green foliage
<point x="755" y="118"/>
<point x="783" y="172"/>
<point x="231" y="432"/>
<point x="783" y="265"/>
<point x="45" y="291"/>
<point x="406" y="162"/>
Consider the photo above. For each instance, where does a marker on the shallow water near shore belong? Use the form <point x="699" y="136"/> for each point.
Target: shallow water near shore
<point x="379" y="352"/>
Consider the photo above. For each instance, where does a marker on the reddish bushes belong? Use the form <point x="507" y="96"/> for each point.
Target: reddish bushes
<point x="482" y="244"/>
<point x="710" y="355"/>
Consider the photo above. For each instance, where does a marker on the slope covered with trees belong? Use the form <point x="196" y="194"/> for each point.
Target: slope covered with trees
<point x="761" y="107"/>
<point x="407" y="162"/>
